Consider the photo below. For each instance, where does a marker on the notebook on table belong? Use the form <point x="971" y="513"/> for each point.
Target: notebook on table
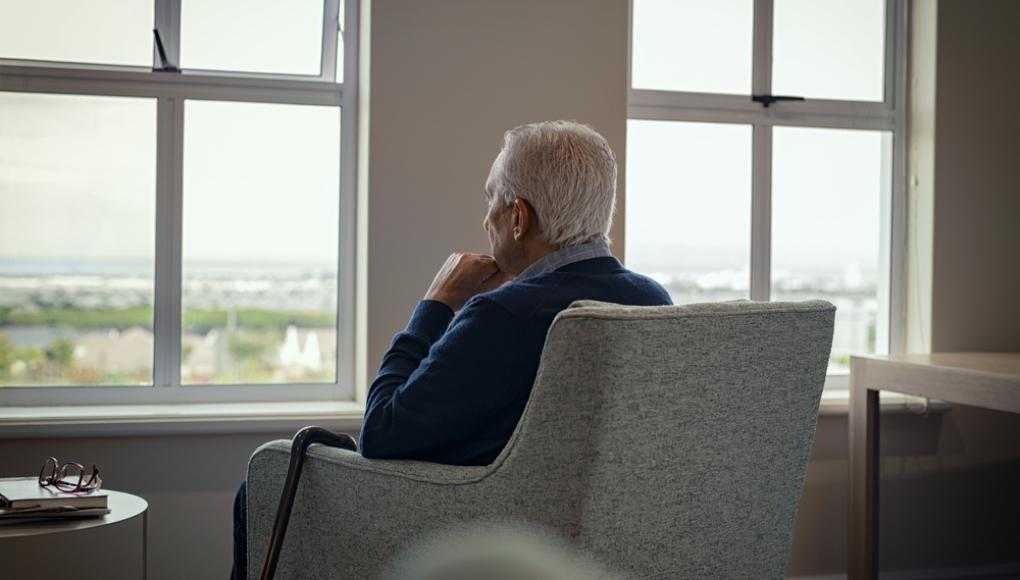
<point x="24" y="493"/>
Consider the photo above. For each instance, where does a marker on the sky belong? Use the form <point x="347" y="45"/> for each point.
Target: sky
<point x="822" y="48"/>
<point x="261" y="181"/>
<point x="689" y="184"/>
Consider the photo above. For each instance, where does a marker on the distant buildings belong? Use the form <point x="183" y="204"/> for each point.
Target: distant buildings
<point x="115" y="352"/>
<point x="231" y="354"/>
<point x="303" y="354"/>
<point x="295" y="356"/>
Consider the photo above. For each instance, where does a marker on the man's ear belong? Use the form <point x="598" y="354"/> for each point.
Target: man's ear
<point x="523" y="219"/>
<point x="518" y="219"/>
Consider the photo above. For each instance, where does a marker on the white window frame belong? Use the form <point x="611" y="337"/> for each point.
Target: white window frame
<point x="171" y="89"/>
<point x="886" y="115"/>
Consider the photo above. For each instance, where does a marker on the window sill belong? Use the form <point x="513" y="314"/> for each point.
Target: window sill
<point x="274" y="417"/>
<point x="837" y="402"/>
<point x="177" y="419"/>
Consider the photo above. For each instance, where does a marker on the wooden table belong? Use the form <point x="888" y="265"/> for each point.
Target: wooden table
<point x="987" y="380"/>
<point x="109" y="547"/>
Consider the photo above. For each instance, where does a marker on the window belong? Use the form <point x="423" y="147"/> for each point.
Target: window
<point x="70" y="164"/>
<point x="737" y="190"/>
<point x="825" y="228"/>
<point x="117" y="32"/>
<point x="698" y="260"/>
<point x="671" y="38"/>
<point x="262" y="194"/>
<point x="175" y="227"/>
<point x="266" y="36"/>
<point x="829" y="49"/>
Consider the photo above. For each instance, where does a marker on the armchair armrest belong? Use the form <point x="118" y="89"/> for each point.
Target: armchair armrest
<point x="420" y="471"/>
<point x="352" y="515"/>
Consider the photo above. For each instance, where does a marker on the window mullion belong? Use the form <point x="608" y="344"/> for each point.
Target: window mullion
<point x="761" y="157"/>
<point x="890" y="60"/>
<point x="761" y="212"/>
<point x="168" y="23"/>
<point x="330" y="28"/>
<point x="350" y="362"/>
<point x="761" y="59"/>
<point x="167" y="322"/>
<point x="896" y="84"/>
<point x="884" y="317"/>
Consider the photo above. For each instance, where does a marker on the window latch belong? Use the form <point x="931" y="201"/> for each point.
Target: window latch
<point x="767" y="100"/>
<point x="164" y="65"/>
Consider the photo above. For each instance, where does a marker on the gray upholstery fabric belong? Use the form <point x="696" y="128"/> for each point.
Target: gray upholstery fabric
<point x="665" y="442"/>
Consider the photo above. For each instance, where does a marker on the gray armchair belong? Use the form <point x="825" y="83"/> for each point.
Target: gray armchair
<point x="665" y="442"/>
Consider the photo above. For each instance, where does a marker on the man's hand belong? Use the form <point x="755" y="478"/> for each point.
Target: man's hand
<point x="463" y="276"/>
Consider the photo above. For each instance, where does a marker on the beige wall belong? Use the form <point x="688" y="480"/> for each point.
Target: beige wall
<point x="921" y="173"/>
<point x="976" y="257"/>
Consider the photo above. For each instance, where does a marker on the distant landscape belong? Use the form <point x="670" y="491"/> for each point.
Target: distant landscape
<point x="705" y="276"/>
<point x="92" y="322"/>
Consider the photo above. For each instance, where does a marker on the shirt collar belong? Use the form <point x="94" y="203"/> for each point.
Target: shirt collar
<point x="564" y="256"/>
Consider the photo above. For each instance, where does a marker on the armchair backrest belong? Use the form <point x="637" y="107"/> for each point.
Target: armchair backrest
<point x="676" y="438"/>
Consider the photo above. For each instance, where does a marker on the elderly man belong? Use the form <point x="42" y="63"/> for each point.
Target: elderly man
<point x="455" y="382"/>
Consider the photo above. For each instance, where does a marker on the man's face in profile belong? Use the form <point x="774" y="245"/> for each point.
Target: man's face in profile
<point x="497" y="220"/>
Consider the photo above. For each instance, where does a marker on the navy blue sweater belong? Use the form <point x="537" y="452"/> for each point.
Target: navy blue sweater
<point x="452" y="392"/>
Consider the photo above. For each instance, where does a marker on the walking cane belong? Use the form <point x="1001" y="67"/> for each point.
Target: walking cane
<point x="302" y="439"/>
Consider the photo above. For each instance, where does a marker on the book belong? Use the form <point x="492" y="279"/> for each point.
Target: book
<point x="21" y="493"/>
<point x="26" y="515"/>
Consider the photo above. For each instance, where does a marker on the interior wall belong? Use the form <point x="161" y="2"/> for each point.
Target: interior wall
<point x="921" y="173"/>
<point x="976" y="268"/>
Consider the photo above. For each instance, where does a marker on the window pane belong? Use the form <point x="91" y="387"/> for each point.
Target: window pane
<point x="826" y="197"/>
<point x="692" y="45"/>
<point x="261" y="229"/>
<point x="689" y="207"/>
<point x="77" y="217"/>
<point x="254" y="36"/>
<point x="96" y="31"/>
<point x="829" y="49"/>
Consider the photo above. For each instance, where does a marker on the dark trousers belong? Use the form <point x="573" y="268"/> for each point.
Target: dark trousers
<point x="240" y="571"/>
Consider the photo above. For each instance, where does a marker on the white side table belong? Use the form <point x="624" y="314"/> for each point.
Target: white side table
<point x="112" y="546"/>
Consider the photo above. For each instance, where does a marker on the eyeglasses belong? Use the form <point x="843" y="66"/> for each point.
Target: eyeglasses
<point x="69" y="477"/>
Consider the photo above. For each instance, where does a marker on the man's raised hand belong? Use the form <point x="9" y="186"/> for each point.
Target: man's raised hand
<point x="463" y="276"/>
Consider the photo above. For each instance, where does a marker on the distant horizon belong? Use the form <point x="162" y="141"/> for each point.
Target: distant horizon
<point x="139" y="259"/>
<point x="675" y="257"/>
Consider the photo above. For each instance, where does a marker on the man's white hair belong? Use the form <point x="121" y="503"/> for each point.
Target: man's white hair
<point x="567" y="172"/>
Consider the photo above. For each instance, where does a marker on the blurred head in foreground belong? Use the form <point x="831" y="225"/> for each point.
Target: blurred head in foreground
<point x="495" y="552"/>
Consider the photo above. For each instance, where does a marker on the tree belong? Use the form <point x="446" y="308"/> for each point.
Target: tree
<point x="249" y="348"/>
<point x="61" y="353"/>
<point x="6" y="354"/>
